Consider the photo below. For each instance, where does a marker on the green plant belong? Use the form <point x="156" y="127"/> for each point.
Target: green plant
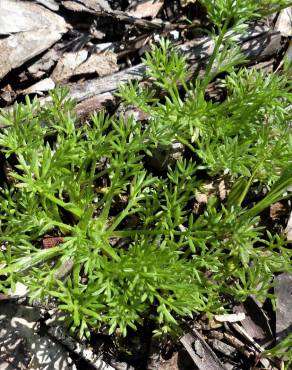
<point x="134" y="247"/>
<point x="282" y="349"/>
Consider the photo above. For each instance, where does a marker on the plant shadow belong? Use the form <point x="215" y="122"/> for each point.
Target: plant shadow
<point x="23" y="345"/>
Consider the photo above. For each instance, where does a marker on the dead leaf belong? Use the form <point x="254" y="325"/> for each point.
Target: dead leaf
<point x="146" y="8"/>
<point x="277" y="210"/>
<point x="50" y="242"/>
<point x="7" y="93"/>
<point x="213" y="324"/>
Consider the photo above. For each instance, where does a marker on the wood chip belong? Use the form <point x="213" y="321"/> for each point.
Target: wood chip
<point x="146" y="8"/>
<point x="284" y="22"/>
<point x="233" y="317"/>
<point x="67" y="64"/>
<point x="283" y="292"/>
<point x="222" y="347"/>
<point x="288" y="229"/>
<point x="256" y="322"/>
<point x="179" y="361"/>
<point x="102" y="64"/>
<point x="89" y="6"/>
<point x="42" y="86"/>
<point x="93" y="7"/>
<point x="17" y="17"/>
<point x="79" y="349"/>
<point x="288" y="55"/>
<point x="264" y="361"/>
<point x="65" y="269"/>
<point x="97" y="5"/>
<point x="44" y="64"/>
<point x="32" y="29"/>
<point x="201" y="353"/>
<point x="23" y="346"/>
<point x="92" y="105"/>
<point x="258" y="44"/>
<point x="244" y="333"/>
<point x="74" y="64"/>
<point x="50" y="4"/>
<point x="22" y="16"/>
<point x="96" y="86"/>
<point x="238" y="344"/>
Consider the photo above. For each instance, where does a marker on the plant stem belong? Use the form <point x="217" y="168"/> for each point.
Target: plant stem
<point x="208" y="76"/>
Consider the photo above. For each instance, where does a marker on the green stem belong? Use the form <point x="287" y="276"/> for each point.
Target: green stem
<point x="68" y="206"/>
<point x="130" y="233"/>
<point x="248" y="185"/>
<point x="29" y="261"/>
<point x="186" y="143"/>
<point x="119" y="218"/>
<point x="108" y="198"/>
<point x="208" y="76"/>
<point x="63" y="226"/>
<point x="265" y="203"/>
<point x="267" y="153"/>
<point x="276" y="194"/>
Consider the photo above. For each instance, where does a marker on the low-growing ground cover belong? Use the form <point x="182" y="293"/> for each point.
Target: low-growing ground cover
<point x="129" y="245"/>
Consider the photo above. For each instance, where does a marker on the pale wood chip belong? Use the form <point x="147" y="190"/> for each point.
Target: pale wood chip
<point x="146" y="8"/>
<point x="284" y="22"/>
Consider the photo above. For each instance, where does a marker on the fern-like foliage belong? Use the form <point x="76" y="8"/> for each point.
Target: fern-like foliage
<point x="131" y="247"/>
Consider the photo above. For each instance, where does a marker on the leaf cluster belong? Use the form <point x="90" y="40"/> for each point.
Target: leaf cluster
<point x="132" y="248"/>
